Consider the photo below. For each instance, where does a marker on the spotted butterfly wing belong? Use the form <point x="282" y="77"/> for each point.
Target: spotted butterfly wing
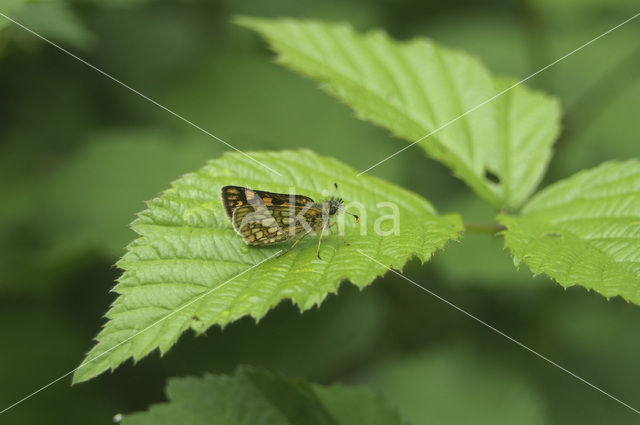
<point x="237" y="196"/>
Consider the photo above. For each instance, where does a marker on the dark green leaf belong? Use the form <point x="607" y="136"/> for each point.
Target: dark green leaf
<point x="257" y="397"/>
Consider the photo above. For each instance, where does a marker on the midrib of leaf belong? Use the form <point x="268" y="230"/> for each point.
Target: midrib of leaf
<point x="385" y="67"/>
<point x="418" y="83"/>
<point x="458" y="103"/>
<point x="506" y="165"/>
<point x="187" y="248"/>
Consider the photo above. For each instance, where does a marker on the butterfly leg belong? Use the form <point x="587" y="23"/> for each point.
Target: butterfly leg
<point x="296" y="242"/>
<point x="324" y="227"/>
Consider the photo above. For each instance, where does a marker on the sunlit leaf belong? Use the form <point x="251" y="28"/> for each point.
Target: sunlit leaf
<point x="413" y="88"/>
<point x="188" y="247"/>
<point x="584" y="230"/>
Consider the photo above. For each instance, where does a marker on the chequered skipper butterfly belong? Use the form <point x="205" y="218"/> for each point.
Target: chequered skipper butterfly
<point x="267" y="218"/>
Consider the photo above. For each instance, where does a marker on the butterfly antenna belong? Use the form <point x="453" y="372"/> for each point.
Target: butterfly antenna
<point x="354" y="216"/>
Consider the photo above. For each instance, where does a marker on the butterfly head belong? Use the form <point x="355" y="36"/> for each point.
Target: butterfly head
<point x="335" y="205"/>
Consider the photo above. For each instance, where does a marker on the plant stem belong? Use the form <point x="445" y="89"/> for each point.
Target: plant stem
<point x="490" y="228"/>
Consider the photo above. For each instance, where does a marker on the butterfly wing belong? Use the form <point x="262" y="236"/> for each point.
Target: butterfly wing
<point x="270" y="225"/>
<point x="237" y="196"/>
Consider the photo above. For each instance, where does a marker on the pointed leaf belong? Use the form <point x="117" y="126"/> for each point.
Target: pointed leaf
<point x="414" y="88"/>
<point x="584" y="230"/>
<point x="188" y="247"/>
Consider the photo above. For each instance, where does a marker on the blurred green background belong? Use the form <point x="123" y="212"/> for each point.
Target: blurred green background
<point x="80" y="154"/>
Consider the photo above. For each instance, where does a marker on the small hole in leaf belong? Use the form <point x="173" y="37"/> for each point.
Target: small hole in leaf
<point x="493" y="178"/>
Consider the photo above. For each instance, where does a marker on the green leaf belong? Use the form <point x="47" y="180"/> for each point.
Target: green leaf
<point x="414" y="88"/>
<point x="254" y="396"/>
<point x="584" y="230"/>
<point x="188" y="247"/>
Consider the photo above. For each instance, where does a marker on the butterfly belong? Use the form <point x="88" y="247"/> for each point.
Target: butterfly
<point x="266" y="218"/>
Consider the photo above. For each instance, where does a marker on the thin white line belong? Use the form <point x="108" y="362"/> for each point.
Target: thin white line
<point x="138" y="333"/>
<point x="138" y="93"/>
<point x="500" y="332"/>
<point x="501" y="93"/>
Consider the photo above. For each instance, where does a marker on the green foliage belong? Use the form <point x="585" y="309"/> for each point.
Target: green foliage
<point x="84" y="217"/>
<point x="24" y="327"/>
<point x="53" y="19"/>
<point x="449" y="386"/>
<point x="8" y="7"/>
<point x="598" y="95"/>
<point x="584" y="230"/>
<point x="481" y="260"/>
<point x="188" y="247"/>
<point x="415" y="88"/>
<point x="67" y="195"/>
<point x="121" y="194"/>
<point x="253" y="396"/>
